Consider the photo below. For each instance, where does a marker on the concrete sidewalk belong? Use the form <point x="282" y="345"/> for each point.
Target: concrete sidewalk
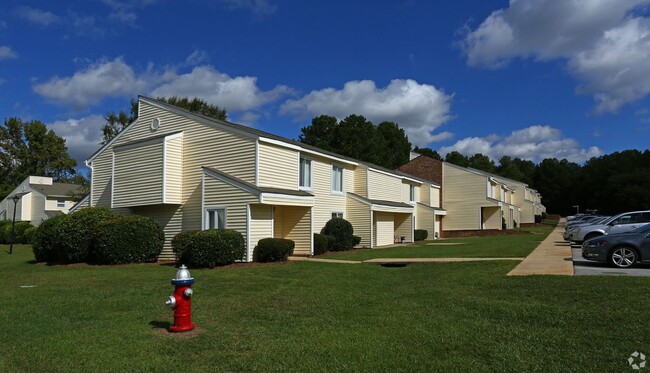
<point x="551" y="257"/>
<point x="397" y="260"/>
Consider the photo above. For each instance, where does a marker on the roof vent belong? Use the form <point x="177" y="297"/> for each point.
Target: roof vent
<point x="155" y="124"/>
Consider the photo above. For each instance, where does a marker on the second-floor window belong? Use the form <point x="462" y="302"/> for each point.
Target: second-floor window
<point x="412" y="193"/>
<point x="305" y="173"/>
<point x="337" y="179"/>
<point x="60" y="203"/>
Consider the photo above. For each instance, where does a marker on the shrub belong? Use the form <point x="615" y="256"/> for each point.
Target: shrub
<point x="273" y="250"/>
<point x="128" y="239"/>
<point x="321" y="244"/>
<point x="181" y="244"/>
<point x="421" y="234"/>
<point x="544" y="215"/>
<point x="45" y="239"/>
<point x="3" y="224"/>
<point x="19" y="231"/>
<point x="215" y="247"/>
<point x="331" y="240"/>
<point x="28" y="236"/>
<point x="503" y="223"/>
<point x="342" y="230"/>
<point x="356" y="240"/>
<point x="77" y="234"/>
<point x="538" y="219"/>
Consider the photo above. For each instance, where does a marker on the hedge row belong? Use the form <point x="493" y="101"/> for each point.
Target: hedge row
<point x="273" y="250"/>
<point x="21" y="234"/>
<point x="97" y="235"/>
<point x="209" y="248"/>
<point x="420" y="234"/>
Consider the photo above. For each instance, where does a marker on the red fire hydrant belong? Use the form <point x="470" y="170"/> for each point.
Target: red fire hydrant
<point x="181" y="301"/>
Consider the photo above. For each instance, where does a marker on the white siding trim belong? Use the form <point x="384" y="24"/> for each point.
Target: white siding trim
<point x="285" y="196"/>
<point x="90" y="192"/>
<point x="301" y="149"/>
<point x="164" y="174"/>
<point x="257" y="162"/>
<point x="372" y="228"/>
<point x="311" y="231"/>
<point x="202" y="200"/>
<point x="217" y="207"/>
<point x="112" y="177"/>
<point x="248" y="231"/>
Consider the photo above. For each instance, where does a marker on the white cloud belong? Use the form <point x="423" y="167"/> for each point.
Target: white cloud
<point x="37" y="16"/>
<point x="101" y="79"/>
<point x="604" y="43"/>
<point x="238" y="93"/>
<point x="534" y="143"/>
<point x="197" y="57"/>
<point x="82" y="136"/>
<point x="7" y="53"/>
<point x="418" y="108"/>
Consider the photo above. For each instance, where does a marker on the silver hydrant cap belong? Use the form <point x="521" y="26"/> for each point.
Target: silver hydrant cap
<point x="183" y="273"/>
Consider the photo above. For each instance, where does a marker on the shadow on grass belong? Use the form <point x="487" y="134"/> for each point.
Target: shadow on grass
<point x="160" y="324"/>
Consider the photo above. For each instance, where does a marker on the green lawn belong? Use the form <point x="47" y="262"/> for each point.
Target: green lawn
<point x="307" y="316"/>
<point x="517" y="246"/>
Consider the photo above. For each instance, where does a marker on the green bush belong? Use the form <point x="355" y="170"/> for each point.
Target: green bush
<point x="46" y="238"/>
<point x="503" y="223"/>
<point x="181" y="244"/>
<point x="215" y="247"/>
<point x="331" y="240"/>
<point x="544" y="215"/>
<point x="538" y="219"/>
<point x="356" y="240"/>
<point x="321" y="244"/>
<point x="3" y="224"/>
<point x="77" y="234"/>
<point x="273" y="250"/>
<point x="29" y="234"/>
<point x="128" y="239"/>
<point x="421" y="234"/>
<point x="19" y="232"/>
<point x="342" y="230"/>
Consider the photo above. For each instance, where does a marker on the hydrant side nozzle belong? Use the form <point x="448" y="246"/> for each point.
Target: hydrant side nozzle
<point x="171" y="301"/>
<point x="188" y="293"/>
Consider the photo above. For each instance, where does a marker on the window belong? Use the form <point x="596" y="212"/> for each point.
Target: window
<point x="215" y="218"/>
<point x="489" y="190"/>
<point x="337" y="179"/>
<point x="337" y="215"/>
<point x="60" y="203"/>
<point x="305" y="173"/>
<point x="412" y="193"/>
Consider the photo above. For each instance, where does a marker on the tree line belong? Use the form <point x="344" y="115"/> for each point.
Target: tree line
<point x="610" y="183"/>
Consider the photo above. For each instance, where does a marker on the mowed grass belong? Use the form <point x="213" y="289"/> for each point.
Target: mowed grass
<point x="513" y="246"/>
<point x="318" y="317"/>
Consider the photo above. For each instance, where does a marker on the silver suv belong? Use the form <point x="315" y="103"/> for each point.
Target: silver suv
<point x="620" y="223"/>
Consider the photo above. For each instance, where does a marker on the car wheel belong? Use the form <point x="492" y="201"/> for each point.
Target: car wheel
<point x="592" y="235"/>
<point x="623" y="257"/>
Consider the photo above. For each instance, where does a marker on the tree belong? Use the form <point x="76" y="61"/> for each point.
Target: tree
<point x="385" y="145"/>
<point x="29" y="148"/>
<point x="482" y="162"/>
<point x="117" y="122"/>
<point x="428" y="152"/>
<point x="556" y="180"/>
<point x="457" y="158"/>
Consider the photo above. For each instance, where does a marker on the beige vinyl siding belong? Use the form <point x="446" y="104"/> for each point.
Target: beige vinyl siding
<point x="203" y="145"/>
<point x="463" y="193"/>
<point x="406" y="193"/>
<point x="278" y="166"/>
<point x="217" y="193"/>
<point x="51" y="204"/>
<point x="425" y="220"/>
<point x="424" y="194"/>
<point x="384" y="228"/>
<point x="404" y="226"/>
<point x="170" y="219"/>
<point x="326" y="201"/>
<point x="261" y="223"/>
<point x="294" y="223"/>
<point x="287" y="201"/>
<point x="138" y="175"/>
<point x="491" y="218"/>
<point x="101" y="179"/>
<point x="360" y="185"/>
<point x="358" y="214"/>
<point x="39" y="205"/>
<point x="384" y="187"/>
<point x="435" y="197"/>
<point x="174" y="170"/>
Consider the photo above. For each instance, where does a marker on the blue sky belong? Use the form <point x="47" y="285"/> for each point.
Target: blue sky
<point x="527" y="78"/>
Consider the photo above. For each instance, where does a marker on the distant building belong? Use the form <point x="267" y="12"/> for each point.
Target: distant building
<point x="41" y="198"/>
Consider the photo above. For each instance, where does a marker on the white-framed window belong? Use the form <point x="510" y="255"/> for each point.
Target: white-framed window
<point x="337" y="179"/>
<point x="412" y="193"/>
<point x="305" y="173"/>
<point x="336" y="214"/>
<point x="215" y="218"/>
<point x="60" y="203"/>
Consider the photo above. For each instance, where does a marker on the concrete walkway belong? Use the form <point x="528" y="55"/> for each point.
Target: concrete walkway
<point x="551" y="257"/>
<point x="397" y="260"/>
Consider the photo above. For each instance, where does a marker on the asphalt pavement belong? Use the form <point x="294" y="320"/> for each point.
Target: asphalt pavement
<point x="584" y="267"/>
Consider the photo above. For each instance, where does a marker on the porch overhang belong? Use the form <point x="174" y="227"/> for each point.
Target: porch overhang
<point x="384" y="206"/>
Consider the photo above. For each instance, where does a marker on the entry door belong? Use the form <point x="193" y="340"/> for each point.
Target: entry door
<point x="384" y="228"/>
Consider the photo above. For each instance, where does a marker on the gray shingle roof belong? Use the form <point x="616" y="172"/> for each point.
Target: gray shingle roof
<point x="57" y="189"/>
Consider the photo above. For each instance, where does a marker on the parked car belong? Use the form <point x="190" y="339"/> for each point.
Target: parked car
<point x="569" y="230"/>
<point x="590" y="219"/>
<point x="621" y="223"/>
<point x="622" y="250"/>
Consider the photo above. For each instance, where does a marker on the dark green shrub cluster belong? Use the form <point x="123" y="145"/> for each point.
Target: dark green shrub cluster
<point x="544" y="215"/>
<point x="503" y="223"/>
<point x="356" y="240"/>
<point x="331" y="240"/>
<point x="538" y="219"/>
<point x="321" y="244"/>
<point x="342" y="231"/>
<point x="421" y="234"/>
<point x="181" y="244"/>
<point x="19" y="232"/>
<point x="46" y="238"/>
<point x="3" y="224"/>
<point x="273" y="250"/>
<point x="128" y="239"/>
<point x="77" y="233"/>
<point x="29" y="234"/>
<point x="211" y="248"/>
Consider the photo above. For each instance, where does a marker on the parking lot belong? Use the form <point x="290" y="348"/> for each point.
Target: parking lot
<point x="583" y="267"/>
